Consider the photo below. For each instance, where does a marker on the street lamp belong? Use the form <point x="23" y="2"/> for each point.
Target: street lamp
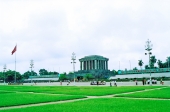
<point x="148" y="47"/>
<point x="31" y="66"/>
<point x="73" y="58"/>
<point x="4" y="72"/>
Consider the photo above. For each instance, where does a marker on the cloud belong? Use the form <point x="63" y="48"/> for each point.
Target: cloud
<point x="49" y="31"/>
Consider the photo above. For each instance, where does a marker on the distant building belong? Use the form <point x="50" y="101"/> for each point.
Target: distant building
<point x="144" y="73"/>
<point x="95" y="65"/>
<point x="42" y="78"/>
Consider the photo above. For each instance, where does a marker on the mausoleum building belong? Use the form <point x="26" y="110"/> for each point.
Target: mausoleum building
<point x="93" y="62"/>
<point x="95" y="65"/>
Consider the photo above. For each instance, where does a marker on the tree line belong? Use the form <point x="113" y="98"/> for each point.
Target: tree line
<point x="152" y="63"/>
<point x="9" y="75"/>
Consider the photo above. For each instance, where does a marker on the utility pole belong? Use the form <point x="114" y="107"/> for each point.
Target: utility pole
<point x="31" y="66"/>
<point x="4" y="72"/>
<point x="73" y="58"/>
<point x="148" y="47"/>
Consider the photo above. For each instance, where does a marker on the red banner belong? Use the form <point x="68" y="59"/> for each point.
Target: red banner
<point x="15" y="49"/>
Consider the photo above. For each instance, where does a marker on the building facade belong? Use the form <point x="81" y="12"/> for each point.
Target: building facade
<point x="94" y="62"/>
<point x="95" y="65"/>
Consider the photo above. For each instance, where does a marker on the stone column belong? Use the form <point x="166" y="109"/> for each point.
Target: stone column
<point x="92" y="64"/>
<point x="95" y="65"/>
<point x="106" y="65"/>
<point x="103" y="64"/>
<point x="82" y="65"/>
<point x="86" y="65"/>
<point x="99" y="64"/>
<point x="89" y="65"/>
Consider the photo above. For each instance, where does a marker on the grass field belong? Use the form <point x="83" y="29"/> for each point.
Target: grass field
<point x="90" y="91"/>
<point x="102" y="105"/>
<point x="12" y="99"/>
<point x="160" y="93"/>
<point x="22" y="95"/>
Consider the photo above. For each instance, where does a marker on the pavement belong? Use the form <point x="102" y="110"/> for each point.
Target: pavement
<point x="166" y="83"/>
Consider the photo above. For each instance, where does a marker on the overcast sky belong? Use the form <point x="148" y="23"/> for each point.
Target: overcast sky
<point x="48" y="32"/>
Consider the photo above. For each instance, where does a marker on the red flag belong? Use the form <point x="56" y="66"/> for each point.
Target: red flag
<point x="15" y="49"/>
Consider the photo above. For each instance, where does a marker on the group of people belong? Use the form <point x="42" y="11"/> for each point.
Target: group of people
<point x="115" y="84"/>
<point x="67" y="83"/>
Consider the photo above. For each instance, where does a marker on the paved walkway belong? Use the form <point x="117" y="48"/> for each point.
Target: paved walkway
<point x="132" y="83"/>
<point x="88" y="97"/>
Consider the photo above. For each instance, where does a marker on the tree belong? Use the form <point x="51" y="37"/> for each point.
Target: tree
<point x="152" y="61"/>
<point x="135" y="68"/>
<point x="146" y="67"/>
<point x="114" y="72"/>
<point x="1" y="75"/>
<point x="62" y="77"/>
<point x="53" y="73"/>
<point x="160" y="64"/>
<point x="10" y="76"/>
<point x="88" y="76"/>
<point x="28" y="73"/>
<point x="140" y="63"/>
<point x="43" y="72"/>
<point x="168" y="62"/>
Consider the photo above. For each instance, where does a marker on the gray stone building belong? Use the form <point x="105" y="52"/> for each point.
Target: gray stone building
<point x="95" y="65"/>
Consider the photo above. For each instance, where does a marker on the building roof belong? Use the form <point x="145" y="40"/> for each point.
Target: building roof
<point x="43" y="79"/>
<point x="93" y="57"/>
<point x="153" y="75"/>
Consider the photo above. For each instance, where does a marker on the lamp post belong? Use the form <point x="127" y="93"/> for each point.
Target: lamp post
<point x="31" y="66"/>
<point x="148" y="47"/>
<point x="73" y="58"/>
<point x="4" y="72"/>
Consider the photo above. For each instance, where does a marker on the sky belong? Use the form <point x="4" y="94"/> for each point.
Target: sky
<point x="49" y="31"/>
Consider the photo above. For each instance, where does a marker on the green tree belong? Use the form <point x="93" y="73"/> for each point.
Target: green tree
<point x="88" y="76"/>
<point x="140" y="63"/>
<point x="152" y="61"/>
<point x="62" y="77"/>
<point x="160" y="64"/>
<point x="53" y="73"/>
<point x="135" y="68"/>
<point x="147" y="67"/>
<point x="10" y="76"/>
<point x="168" y="62"/>
<point x="114" y="72"/>
<point x="43" y="72"/>
<point x="1" y="76"/>
<point x="28" y="73"/>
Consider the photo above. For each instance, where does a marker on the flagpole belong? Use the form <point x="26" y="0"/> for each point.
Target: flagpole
<point x="15" y="67"/>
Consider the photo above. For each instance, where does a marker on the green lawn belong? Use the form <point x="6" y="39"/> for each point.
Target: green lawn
<point x="11" y="99"/>
<point x="102" y="105"/>
<point x="73" y="90"/>
<point x="160" y="93"/>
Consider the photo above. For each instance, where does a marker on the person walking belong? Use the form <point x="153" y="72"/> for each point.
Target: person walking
<point x="61" y="83"/>
<point x="110" y="83"/>
<point x="115" y="83"/>
<point x="136" y="82"/>
<point x="143" y="82"/>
